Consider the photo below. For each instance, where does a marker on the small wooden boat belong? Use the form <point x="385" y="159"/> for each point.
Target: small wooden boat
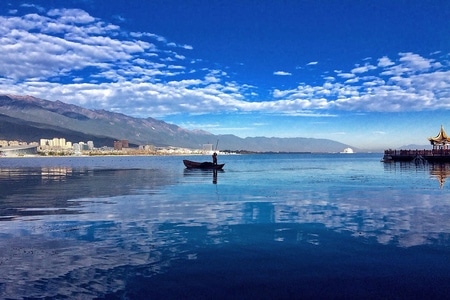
<point x="202" y="165"/>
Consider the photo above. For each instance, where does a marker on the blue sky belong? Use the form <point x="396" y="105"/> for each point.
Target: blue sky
<point x="372" y="74"/>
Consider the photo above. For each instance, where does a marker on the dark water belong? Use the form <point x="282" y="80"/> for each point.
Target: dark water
<point x="268" y="227"/>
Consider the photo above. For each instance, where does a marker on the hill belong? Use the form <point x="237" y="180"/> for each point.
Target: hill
<point x="29" y="119"/>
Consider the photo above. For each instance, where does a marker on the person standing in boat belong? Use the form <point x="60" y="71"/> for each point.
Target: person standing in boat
<point x="214" y="158"/>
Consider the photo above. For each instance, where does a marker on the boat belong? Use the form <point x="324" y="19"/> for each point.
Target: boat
<point x="202" y="165"/>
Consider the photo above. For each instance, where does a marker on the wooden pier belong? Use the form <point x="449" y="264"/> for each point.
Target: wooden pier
<point x="435" y="155"/>
<point x="439" y="154"/>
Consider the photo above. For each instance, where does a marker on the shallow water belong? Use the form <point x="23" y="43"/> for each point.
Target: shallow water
<point x="268" y="226"/>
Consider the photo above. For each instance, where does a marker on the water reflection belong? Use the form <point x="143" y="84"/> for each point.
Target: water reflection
<point x="439" y="171"/>
<point x="86" y="233"/>
<point x="201" y="173"/>
<point x="93" y="253"/>
<point x="44" y="191"/>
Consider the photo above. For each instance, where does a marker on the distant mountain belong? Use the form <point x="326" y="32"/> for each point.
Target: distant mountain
<point x="414" y="147"/>
<point x="30" y="119"/>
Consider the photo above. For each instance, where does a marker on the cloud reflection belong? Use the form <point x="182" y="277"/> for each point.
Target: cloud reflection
<point x="100" y="225"/>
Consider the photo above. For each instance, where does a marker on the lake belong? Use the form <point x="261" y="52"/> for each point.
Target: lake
<point x="270" y="226"/>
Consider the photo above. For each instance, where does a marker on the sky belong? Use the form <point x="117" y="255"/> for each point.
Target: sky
<point x="370" y="74"/>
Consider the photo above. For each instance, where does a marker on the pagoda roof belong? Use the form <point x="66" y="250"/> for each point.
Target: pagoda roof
<point x="441" y="138"/>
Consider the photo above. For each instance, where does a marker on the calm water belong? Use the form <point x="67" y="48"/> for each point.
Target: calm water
<point x="268" y="227"/>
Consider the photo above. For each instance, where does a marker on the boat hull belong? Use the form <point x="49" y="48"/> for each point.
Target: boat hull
<point x="202" y="165"/>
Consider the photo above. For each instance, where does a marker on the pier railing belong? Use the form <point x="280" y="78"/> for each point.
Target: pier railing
<point x="434" y="152"/>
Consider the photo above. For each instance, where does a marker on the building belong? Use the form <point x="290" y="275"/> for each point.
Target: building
<point x="58" y="143"/>
<point x="119" y="145"/>
<point x="125" y="144"/>
<point x="55" y="144"/>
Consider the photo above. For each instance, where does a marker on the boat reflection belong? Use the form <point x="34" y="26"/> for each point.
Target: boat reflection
<point x="200" y="173"/>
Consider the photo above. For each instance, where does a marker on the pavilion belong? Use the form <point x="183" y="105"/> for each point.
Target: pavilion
<point x="441" y="141"/>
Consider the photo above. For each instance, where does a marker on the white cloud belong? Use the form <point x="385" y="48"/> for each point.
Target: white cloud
<point x="312" y="63"/>
<point x="363" y="69"/>
<point x="187" y="47"/>
<point x="37" y="7"/>
<point x="71" y="16"/>
<point x="412" y="83"/>
<point x="346" y="75"/>
<point x="282" y="73"/>
<point x="72" y="56"/>
<point x="147" y="34"/>
<point x="34" y="47"/>
<point x="385" y="62"/>
<point x="415" y="62"/>
<point x="352" y="80"/>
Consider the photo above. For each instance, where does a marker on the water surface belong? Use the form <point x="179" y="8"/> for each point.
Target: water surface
<point x="268" y="226"/>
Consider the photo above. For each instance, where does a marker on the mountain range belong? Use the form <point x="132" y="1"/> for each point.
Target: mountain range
<point x="27" y="118"/>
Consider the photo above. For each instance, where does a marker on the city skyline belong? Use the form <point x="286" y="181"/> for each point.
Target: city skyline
<point x="372" y="75"/>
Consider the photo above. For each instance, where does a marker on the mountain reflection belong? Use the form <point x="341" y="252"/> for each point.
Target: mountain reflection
<point x="44" y="191"/>
<point x="83" y="232"/>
